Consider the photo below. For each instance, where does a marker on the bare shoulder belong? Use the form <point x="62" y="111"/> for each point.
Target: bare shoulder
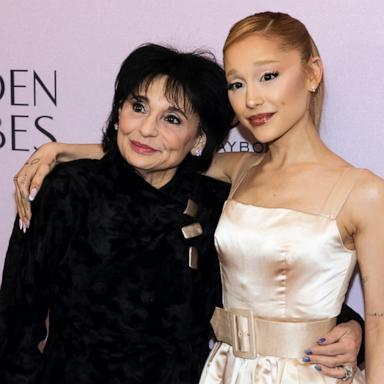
<point x="226" y="166"/>
<point x="369" y="188"/>
<point x="367" y="198"/>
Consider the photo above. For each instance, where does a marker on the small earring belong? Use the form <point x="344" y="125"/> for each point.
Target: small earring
<point x="313" y="89"/>
<point x="116" y="126"/>
<point x="198" y="152"/>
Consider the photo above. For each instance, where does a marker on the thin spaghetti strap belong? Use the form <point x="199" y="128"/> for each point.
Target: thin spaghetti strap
<point x="340" y="192"/>
<point x="242" y="174"/>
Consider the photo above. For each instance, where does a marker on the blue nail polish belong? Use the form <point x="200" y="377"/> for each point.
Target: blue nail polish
<point x="321" y="341"/>
<point x="308" y="352"/>
<point x="306" y="359"/>
<point x="318" y="368"/>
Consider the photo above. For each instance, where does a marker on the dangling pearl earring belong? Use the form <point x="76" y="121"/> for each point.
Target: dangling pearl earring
<point x="116" y="126"/>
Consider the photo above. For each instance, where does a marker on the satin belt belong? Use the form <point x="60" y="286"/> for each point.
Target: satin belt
<point x="250" y="336"/>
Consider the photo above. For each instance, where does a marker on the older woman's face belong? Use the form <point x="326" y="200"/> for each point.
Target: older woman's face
<point x="155" y="136"/>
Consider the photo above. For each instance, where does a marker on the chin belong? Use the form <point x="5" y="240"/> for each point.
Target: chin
<point x="264" y="135"/>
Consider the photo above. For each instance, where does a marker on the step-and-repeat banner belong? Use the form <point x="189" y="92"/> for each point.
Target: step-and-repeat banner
<point x="58" y="61"/>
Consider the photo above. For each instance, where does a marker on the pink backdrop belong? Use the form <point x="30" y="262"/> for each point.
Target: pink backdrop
<point x="58" y="60"/>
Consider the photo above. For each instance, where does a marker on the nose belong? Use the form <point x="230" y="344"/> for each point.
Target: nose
<point x="253" y="98"/>
<point x="149" y="126"/>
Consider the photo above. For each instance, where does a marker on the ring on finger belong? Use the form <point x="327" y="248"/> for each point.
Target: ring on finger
<point x="348" y="373"/>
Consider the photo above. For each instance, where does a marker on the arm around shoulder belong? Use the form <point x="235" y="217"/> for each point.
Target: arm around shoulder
<point x="31" y="176"/>
<point x="228" y="165"/>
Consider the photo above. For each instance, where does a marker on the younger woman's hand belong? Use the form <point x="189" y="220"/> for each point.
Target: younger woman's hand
<point x="338" y="348"/>
<point x="29" y="179"/>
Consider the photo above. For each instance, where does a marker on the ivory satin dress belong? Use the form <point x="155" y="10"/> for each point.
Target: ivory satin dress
<point x="283" y="265"/>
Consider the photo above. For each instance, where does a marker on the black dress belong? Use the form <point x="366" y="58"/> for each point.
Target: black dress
<point x="129" y="295"/>
<point x="129" y="282"/>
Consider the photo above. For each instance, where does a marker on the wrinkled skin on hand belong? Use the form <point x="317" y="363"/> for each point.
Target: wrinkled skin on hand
<point x="29" y="179"/>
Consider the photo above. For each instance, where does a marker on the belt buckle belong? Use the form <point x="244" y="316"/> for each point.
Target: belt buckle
<point x="243" y="333"/>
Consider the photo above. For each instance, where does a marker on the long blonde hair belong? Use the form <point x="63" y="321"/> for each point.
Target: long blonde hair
<point x="293" y="35"/>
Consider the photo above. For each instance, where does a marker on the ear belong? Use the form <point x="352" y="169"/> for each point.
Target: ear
<point x="315" y="72"/>
<point x="199" y="146"/>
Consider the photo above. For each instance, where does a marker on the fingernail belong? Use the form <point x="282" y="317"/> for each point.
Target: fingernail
<point x="20" y="224"/>
<point x="317" y="367"/>
<point x="306" y="359"/>
<point x="32" y="194"/>
<point x="308" y="352"/>
<point x="27" y="223"/>
<point x="24" y="228"/>
<point x="321" y="341"/>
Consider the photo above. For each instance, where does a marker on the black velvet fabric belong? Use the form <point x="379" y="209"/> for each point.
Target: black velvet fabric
<point x="106" y="257"/>
<point x="347" y="314"/>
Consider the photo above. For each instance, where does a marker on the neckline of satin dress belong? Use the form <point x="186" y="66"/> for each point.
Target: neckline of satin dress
<point x="293" y="210"/>
<point x="279" y="208"/>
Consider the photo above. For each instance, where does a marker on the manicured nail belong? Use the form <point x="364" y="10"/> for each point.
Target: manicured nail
<point x="20" y="224"/>
<point x="308" y="352"/>
<point x="321" y="341"/>
<point x="318" y="368"/>
<point x="24" y="228"/>
<point x="32" y="194"/>
<point x="27" y="223"/>
<point x="306" y="359"/>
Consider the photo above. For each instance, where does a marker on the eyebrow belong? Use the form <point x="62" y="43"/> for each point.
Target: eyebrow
<point x="176" y="109"/>
<point x="257" y="63"/>
<point x="172" y="108"/>
<point x="139" y="97"/>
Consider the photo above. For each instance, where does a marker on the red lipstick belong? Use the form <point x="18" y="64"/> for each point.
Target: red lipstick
<point x="142" y="148"/>
<point x="260" y="118"/>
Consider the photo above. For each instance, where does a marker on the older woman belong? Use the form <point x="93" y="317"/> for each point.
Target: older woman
<point x="120" y="251"/>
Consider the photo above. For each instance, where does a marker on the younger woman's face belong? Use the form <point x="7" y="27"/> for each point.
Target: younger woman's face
<point x="268" y="87"/>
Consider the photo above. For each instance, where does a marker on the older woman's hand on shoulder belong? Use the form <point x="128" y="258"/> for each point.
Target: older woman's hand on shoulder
<point x="30" y="177"/>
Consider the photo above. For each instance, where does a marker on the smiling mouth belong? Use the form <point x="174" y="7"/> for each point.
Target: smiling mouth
<point x="260" y="119"/>
<point x="142" y="148"/>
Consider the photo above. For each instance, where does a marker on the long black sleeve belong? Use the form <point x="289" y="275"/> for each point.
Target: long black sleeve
<point x="24" y="295"/>
<point x="23" y="308"/>
<point x="347" y="314"/>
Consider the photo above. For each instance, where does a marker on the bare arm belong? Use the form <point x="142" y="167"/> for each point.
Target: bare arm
<point x="30" y="177"/>
<point x="368" y="216"/>
<point x="226" y="166"/>
<point x="365" y="220"/>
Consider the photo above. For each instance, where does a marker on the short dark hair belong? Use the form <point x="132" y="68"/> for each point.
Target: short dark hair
<point x="193" y="78"/>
